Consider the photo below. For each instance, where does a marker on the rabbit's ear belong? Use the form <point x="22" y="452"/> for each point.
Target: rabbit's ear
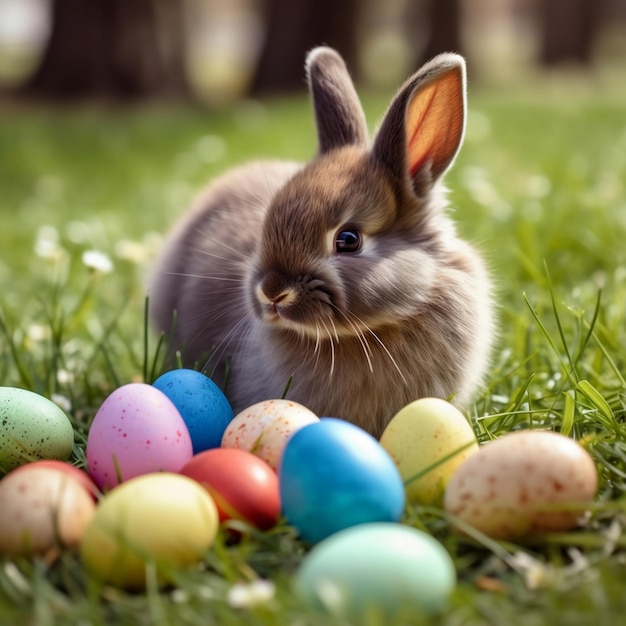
<point x="339" y="116"/>
<point x="422" y="131"/>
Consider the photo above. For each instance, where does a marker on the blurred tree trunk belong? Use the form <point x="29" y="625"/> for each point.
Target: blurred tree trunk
<point x="292" y="29"/>
<point x="121" y="49"/>
<point x="568" y="29"/>
<point x="443" y="20"/>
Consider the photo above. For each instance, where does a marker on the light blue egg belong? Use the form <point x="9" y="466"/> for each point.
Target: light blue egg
<point x="382" y="568"/>
<point x="201" y="403"/>
<point x="334" y="475"/>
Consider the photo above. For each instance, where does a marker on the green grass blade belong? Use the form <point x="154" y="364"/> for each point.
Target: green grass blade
<point x="569" y="408"/>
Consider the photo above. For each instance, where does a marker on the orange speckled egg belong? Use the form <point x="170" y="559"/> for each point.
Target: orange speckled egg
<point x="524" y="483"/>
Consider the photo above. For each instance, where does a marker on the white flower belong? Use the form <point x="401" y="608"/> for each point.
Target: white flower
<point x="65" y="377"/>
<point x="535" y="573"/>
<point x="96" y="260"/>
<point x="38" y="332"/>
<point x="47" y="243"/>
<point x="246" y="595"/>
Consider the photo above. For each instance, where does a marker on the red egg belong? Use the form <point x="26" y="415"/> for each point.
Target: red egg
<point x="243" y="486"/>
<point x="71" y="470"/>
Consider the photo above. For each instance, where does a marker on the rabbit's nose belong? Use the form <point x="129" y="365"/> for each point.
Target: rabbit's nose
<point x="273" y="289"/>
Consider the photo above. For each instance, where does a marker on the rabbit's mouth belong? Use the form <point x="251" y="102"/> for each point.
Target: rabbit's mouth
<point x="305" y="305"/>
<point x="286" y="309"/>
<point x="273" y="307"/>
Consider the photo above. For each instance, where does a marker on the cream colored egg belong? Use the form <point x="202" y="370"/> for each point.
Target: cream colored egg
<point x="523" y="483"/>
<point x="165" y="520"/>
<point x="421" y="436"/>
<point x="42" y="509"/>
<point x="265" y="427"/>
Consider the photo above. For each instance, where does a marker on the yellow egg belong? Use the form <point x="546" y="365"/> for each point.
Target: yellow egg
<point x="421" y="436"/>
<point x="42" y="509"/>
<point x="523" y="483"/>
<point x="265" y="427"/>
<point x="163" y="519"/>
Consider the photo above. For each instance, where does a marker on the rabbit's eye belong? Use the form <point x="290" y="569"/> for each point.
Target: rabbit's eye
<point x="348" y="240"/>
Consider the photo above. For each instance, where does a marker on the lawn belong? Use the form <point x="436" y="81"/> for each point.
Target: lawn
<point x="540" y="185"/>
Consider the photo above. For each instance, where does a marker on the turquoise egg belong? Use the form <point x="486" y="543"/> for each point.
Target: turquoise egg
<point x="334" y="475"/>
<point x="201" y="403"/>
<point x="31" y="428"/>
<point x="382" y="568"/>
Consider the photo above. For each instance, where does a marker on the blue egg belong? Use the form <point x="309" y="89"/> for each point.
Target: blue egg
<point x="334" y="475"/>
<point x="203" y="406"/>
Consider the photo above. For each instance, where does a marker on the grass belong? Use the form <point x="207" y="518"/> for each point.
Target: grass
<point x="539" y="186"/>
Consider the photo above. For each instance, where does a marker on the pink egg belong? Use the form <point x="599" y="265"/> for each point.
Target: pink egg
<point x="136" y="431"/>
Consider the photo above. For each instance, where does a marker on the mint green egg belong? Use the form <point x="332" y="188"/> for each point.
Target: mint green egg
<point x="31" y="428"/>
<point x="383" y="568"/>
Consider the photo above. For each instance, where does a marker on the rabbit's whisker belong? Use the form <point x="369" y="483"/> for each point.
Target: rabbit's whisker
<point x="239" y="253"/>
<point x="332" y="348"/>
<point x="316" y="349"/>
<point x="367" y="350"/>
<point x="221" y="347"/>
<point x="205" y="277"/>
<point x="226" y="260"/>
<point x="332" y="323"/>
<point x="391" y="358"/>
<point x="383" y="346"/>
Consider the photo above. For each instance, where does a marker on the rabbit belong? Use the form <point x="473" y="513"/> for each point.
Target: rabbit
<point x="345" y="276"/>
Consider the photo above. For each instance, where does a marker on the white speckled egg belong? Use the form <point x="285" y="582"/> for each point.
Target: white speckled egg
<point x="31" y="428"/>
<point x="42" y="509"/>
<point x="265" y="427"/>
<point x="419" y="438"/>
<point x="523" y="483"/>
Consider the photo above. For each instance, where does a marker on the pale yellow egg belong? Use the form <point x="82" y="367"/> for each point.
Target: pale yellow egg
<point x="163" y="520"/>
<point x="428" y="440"/>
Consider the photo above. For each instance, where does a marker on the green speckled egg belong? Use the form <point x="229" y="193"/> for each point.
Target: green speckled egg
<point x="31" y="428"/>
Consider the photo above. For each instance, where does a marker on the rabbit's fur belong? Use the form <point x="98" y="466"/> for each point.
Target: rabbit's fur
<point x="345" y="274"/>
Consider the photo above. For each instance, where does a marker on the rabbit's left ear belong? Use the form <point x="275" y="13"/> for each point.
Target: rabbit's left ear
<point x="423" y="128"/>
<point x="339" y="116"/>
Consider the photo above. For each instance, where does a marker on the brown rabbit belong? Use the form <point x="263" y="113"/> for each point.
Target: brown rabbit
<point x="344" y="275"/>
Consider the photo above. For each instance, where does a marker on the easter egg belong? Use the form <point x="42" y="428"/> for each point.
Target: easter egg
<point x="334" y="475"/>
<point x="201" y="403"/>
<point x="265" y="427"/>
<point x="162" y="519"/>
<point x="31" y="427"/>
<point x="524" y="483"/>
<point x="70" y="470"/>
<point x="428" y="440"/>
<point x="243" y="486"/>
<point x="42" y="510"/>
<point x="137" y="430"/>
<point x="382" y="568"/>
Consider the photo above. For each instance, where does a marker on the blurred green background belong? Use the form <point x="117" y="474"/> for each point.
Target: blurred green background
<point x="113" y="113"/>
